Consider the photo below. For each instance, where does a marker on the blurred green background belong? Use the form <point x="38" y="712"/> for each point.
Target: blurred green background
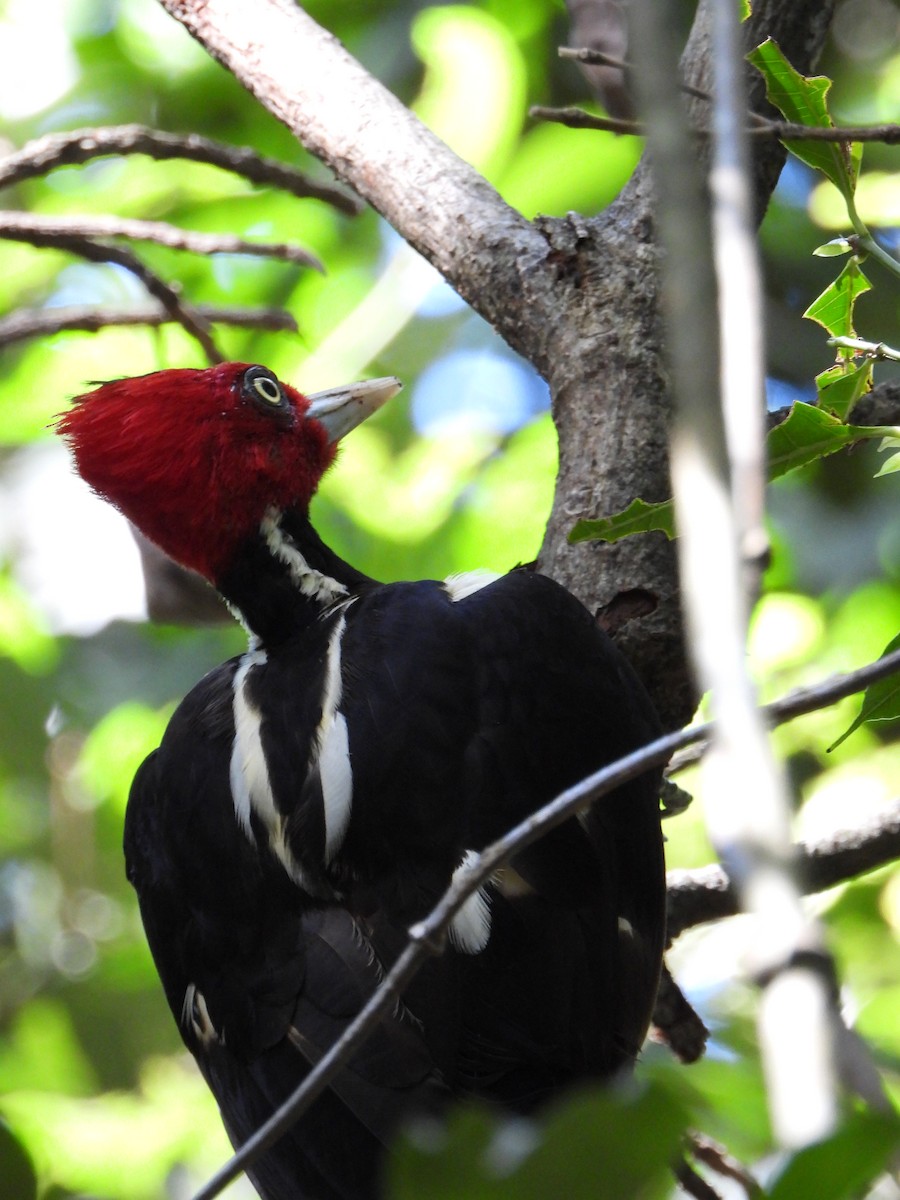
<point x="457" y="473"/>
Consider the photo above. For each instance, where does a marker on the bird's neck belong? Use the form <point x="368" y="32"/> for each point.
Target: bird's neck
<point x="285" y="577"/>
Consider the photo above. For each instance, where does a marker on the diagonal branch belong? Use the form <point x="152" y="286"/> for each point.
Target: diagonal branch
<point x="99" y="252"/>
<point x="350" y="121"/>
<point x="82" y="145"/>
<point x="427" y="938"/>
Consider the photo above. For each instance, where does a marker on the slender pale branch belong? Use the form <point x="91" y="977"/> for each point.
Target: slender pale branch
<point x="349" y="120"/>
<point x="31" y="323"/>
<point x="20" y="226"/>
<point x="100" y="252"/>
<point x="428" y="936"/>
<point x="83" y="145"/>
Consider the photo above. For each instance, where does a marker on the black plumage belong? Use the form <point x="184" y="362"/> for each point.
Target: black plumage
<point x="463" y="716"/>
<point x="315" y="796"/>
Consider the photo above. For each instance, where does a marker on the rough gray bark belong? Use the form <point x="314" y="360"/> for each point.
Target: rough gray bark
<point x="576" y="297"/>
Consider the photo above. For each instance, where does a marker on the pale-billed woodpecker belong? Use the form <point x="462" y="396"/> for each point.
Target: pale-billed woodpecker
<point x="314" y="797"/>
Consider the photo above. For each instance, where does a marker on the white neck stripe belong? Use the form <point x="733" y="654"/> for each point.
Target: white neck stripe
<point x="310" y="582"/>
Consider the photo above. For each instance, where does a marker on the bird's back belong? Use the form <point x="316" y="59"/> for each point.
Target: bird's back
<point x="307" y="804"/>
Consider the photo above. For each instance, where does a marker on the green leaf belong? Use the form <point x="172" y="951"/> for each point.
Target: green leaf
<point x="638" y="517"/>
<point x="841" y="386"/>
<point x="843" y="1165"/>
<point x="609" y="1144"/>
<point x="803" y="100"/>
<point x="881" y="701"/>
<point x="893" y="463"/>
<point x="833" y="249"/>
<point x="834" y="308"/>
<point x="809" y="434"/>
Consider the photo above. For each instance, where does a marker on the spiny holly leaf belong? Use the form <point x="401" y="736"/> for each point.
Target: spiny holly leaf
<point x="834" y="308"/>
<point x="881" y="701"/>
<point x="809" y="433"/>
<point x="638" y="517"/>
<point x="841" y="386"/>
<point x="803" y="101"/>
<point x="845" y="1164"/>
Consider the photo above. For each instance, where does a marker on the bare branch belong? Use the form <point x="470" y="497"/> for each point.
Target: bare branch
<point x="82" y="145"/>
<point x="717" y="1158"/>
<point x="579" y="118"/>
<point x="101" y="253"/>
<point x="693" y="1183"/>
<point x="427" y="938"/>
<point x="30" y="323"/>
<point x="52" y="228"/>
<point x="707" y="893"/>
<point x="443" y="207"/>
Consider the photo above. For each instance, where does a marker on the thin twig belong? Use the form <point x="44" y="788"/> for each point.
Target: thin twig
<point x="598" y="58"/>
<point x="13" y="224"/>
<point x="693" y="1183"/>
<point x="82" y="145"/>
<point x="102" y="253"/>
<point x="717" y="1158"/>
<point x="31" y="323"/>
<point x="428" y="936"/>
<point x="579" y="118"/>
<point x="877" y="350"/>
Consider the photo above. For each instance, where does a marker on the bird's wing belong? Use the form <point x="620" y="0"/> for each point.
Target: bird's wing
<point x="260" y="981"/>
<point x="557" y="701"/>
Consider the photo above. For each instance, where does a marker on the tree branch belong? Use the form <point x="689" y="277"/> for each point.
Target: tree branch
<point x="19" y="226"/>
<point x="428" y="936"/>
<point x="344" y="116"/>
<point x="24" y="323"/>
<point x="707" y="893"/>
<point x="82" y="145"/>
<point x="99" y="252"/>
<point x="579" y="118"/>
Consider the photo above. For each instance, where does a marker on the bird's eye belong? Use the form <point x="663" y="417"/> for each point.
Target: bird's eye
<point x="263" y="390"/>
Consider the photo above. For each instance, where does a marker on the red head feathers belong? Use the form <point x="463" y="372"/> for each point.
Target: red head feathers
<point x="196" y="458"/>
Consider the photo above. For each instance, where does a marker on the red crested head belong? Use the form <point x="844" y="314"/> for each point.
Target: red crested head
<point x="195" y="458"/>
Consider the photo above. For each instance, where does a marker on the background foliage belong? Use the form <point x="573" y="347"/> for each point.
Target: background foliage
<point x="94" y="1082"/>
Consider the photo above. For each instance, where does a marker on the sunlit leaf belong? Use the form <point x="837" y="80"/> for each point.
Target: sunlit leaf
<point x="881" y="701"/>
<point x="833" y="249"/>
<point x="809" y="434"/>
<point x="893" y="463"/>
<point x="803" y="100"/>
<point x="834" y="307"/>
<point x="842" y="385"/>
